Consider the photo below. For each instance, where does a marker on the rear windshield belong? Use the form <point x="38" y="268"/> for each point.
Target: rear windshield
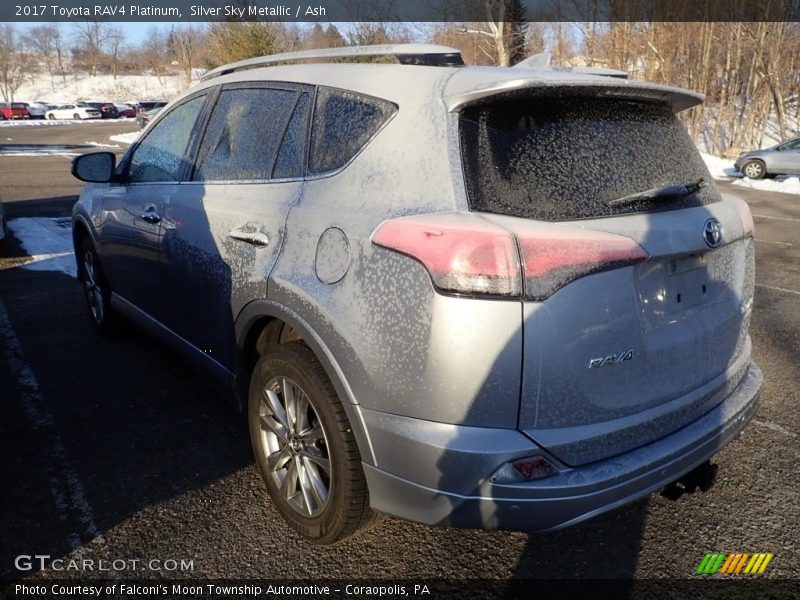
<point x="19" y="105"/>
<point x="563" y="158"/>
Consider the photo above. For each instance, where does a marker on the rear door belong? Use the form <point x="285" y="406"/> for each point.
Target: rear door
<point x="637" y="306"/>
<point x="224" y="228"/>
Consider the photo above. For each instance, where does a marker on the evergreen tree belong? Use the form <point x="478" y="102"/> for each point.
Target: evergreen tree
<point x="517" y="28"/>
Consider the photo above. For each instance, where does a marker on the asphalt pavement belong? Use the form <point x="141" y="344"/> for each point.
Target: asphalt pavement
<point x="119" y="450"/>
<point x="36" y="182"/>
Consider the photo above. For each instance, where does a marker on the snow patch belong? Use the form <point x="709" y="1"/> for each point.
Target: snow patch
<point x="720" y="168"/>
<point x="49" y="122"/>
<point x="101" y="145"/>
<point x="783" y="185"/>
<point x="39" y="154"/>
<point x="125" y="138"/>
<point x="48" y="241"/>
<point x="82" y="86"/>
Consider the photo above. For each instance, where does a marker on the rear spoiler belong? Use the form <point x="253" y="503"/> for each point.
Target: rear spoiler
<point x="542" y="61"/>
<point x="546" y="83"/>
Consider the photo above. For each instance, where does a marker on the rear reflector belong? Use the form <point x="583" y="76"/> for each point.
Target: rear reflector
<point x="524" y="469"/>
<point x="466" y="254"/>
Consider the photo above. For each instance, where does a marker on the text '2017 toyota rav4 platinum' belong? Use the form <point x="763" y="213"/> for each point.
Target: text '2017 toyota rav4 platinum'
<point x="477" y="297"/>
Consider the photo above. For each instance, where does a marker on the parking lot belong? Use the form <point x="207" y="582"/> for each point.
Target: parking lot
<point x="118" y="450"/>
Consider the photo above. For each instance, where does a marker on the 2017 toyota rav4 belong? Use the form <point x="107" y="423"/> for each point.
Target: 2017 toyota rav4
<point x="467" y="296"/>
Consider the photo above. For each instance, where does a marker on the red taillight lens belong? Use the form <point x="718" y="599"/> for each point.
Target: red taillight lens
<point x="462" y="252"/>
<point x="466" y="254"/>
<point x="553" y="258"/>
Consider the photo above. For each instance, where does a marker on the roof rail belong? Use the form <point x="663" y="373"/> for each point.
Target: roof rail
<point x="406" y="54"/>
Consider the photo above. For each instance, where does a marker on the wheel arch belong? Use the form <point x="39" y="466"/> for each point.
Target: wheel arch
<point x="81" y="230"/>
<point x="251" y="322"/>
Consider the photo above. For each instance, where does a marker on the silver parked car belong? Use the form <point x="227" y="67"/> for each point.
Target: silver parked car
<point x="781" y="159"/>
<point x="466" y="296"/>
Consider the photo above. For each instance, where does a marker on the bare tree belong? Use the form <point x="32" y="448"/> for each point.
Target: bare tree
<point x="155" y="52"/>
<point x="15" y="62"/>
<point x="91" y="37"/>
<point x="41" y="41"/>
<point x="60" y="48"/>
<point x="187" y="42"/>
<point x="116" y="41"/>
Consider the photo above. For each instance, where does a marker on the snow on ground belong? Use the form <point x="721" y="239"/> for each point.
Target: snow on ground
<point x="48" y="242"/>
<point x="46" y="122"/>
<point x="83" y="86"/>
<point x="125" y="138"/>
<point x="784" y="185"/>
<point x="102" y="145"/>
<point x="722" y="168"/>
<point x="33" y="154"/>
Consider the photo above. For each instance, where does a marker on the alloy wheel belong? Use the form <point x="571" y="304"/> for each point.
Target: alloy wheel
<point x="753" y="170"/>
<point x="94" y="293"/>
<point x="295" y="445"/>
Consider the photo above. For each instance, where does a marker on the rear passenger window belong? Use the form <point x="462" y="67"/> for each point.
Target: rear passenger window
<point x="244" y="134"/>
<point x="343" y="124"/>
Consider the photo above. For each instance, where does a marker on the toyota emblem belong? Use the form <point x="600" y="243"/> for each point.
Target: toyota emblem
<point x="712" y="233"/>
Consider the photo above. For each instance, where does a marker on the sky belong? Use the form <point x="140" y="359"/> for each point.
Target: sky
<point x="134" y="32"/>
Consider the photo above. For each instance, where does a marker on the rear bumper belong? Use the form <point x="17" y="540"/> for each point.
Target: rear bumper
<point x="569" y="497"/>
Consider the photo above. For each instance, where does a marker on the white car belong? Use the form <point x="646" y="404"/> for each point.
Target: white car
<point x="36" y="110"/>
<point x="74" y="111"/>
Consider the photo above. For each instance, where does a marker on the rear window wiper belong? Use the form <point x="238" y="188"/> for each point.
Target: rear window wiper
<point x="667" y="192"/>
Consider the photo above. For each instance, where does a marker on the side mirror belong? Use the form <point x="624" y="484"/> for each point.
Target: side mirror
<point x="97" y="167"/>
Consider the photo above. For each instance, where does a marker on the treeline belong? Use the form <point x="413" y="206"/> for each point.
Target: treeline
<point x="748" y="71"/>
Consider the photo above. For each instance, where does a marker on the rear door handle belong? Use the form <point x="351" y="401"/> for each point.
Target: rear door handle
<point x="256" y="238"/>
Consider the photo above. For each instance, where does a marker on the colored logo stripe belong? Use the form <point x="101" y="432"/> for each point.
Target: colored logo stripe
<point x="738" y="562"/>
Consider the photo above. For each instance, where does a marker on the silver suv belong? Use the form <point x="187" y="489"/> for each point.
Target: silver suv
<point x="465" y="296"/>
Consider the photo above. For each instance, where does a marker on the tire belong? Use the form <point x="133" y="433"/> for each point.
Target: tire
<point x="316" y="445"/>
<point x="51" y="117"/>
<point x="754" y="169"/>
<point x="96" y="290"/>
<point x="76" y="116"/>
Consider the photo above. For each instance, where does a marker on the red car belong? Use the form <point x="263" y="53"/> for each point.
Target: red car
<point x="126" y="110"/>
<point x="13" y="110"/>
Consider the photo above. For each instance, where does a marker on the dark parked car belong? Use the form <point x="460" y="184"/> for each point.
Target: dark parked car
<point x="144" y="107"/>
<point x="13" y="110"/>
<point x="781" y="159"/>
<point x="107" y="109"/>
<point x="466" y="296"/>
<point x="143" y="118"/>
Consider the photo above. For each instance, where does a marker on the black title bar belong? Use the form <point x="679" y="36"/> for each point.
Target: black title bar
<point x="199" y="11"/>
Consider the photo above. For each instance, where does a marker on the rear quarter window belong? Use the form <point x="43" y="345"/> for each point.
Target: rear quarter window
<point x="344" y="123"/>
<point x="564" y="158"/>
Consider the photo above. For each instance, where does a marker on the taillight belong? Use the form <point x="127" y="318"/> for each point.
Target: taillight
<point x="553" y="258"/>
<point x="462" y="253"/>
<point x="466" y="254"/>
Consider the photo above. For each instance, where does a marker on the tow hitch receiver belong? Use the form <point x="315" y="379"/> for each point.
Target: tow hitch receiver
<point x="701" y="477"/>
